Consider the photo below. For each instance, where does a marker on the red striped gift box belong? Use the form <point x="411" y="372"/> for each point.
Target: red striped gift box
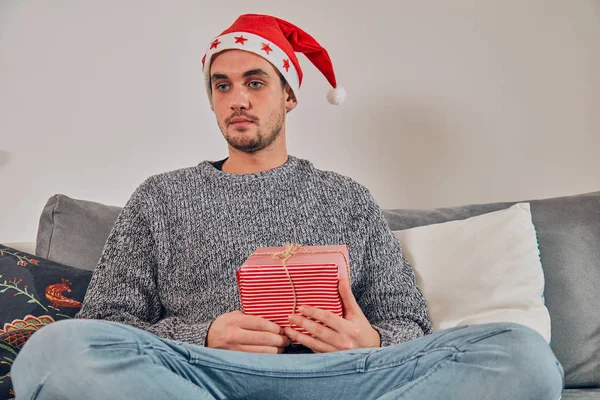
<point x="275" y="281"/>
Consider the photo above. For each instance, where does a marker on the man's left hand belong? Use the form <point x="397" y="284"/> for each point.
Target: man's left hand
<point x="351" y="332"/>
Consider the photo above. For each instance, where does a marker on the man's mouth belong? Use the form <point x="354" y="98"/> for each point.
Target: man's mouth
<point x="240" y="121"/>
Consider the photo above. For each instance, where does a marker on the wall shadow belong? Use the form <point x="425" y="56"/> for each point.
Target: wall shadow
<point x="4" y="157"/>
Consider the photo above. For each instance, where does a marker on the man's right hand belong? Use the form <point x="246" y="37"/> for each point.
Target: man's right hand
<point x="241" y="332"/>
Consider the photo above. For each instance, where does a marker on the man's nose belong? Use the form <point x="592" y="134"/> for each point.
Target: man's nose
<point x="239" y="98"/>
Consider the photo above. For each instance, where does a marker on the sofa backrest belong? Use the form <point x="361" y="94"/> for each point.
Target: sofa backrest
<point x="73" y="232"/>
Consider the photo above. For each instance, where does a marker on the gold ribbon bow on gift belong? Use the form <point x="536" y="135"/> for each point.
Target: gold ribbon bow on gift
<point x="291" y="249"/>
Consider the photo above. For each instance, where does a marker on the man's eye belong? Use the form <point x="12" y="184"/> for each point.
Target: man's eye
<point x="255" y="84"/>
<point x="222" y="87"/>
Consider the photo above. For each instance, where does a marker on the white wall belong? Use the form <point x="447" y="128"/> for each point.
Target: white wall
<point x="450" y="101"/>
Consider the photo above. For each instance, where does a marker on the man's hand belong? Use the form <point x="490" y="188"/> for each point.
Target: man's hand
<point x="241" y="332"/>
<point x="351" y="332"/>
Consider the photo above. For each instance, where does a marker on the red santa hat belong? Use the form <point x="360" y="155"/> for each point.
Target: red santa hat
<point x="277" y="41"/>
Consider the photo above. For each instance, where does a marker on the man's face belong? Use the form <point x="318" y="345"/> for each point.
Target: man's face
<point x="248" y="100"/>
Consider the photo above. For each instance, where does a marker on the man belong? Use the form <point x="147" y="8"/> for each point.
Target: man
<point x="163" y="305"/>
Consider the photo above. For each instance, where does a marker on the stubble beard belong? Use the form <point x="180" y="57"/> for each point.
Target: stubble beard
<point x="246" y="142"/>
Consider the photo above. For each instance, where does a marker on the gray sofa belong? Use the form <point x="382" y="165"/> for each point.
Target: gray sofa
<point x="73" y="232"/>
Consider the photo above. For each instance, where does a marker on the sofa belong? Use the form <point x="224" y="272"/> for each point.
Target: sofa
<point x="72" y="233"/>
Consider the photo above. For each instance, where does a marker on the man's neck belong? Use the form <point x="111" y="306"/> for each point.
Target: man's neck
<point x="244" y="163"/>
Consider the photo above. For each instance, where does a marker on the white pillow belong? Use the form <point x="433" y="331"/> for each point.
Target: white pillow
<point x="483" y="269"/>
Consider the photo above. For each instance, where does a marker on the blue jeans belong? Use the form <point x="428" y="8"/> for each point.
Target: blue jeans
<point x="88" y="359"/>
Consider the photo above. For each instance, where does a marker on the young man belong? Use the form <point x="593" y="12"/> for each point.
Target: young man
<point x="163" y="306"/>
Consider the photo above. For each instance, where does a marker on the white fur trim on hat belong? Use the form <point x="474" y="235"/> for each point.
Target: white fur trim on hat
<point x="257" y="45"/>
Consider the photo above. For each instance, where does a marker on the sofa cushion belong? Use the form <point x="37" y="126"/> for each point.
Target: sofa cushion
<point x="34" y="292"/>
<point x="479" y="270"/>
<point x="568" y="231"/>
<point x="73" y="232"/>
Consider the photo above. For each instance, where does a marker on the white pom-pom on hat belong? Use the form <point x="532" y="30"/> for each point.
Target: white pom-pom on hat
<point x="336" y="96"/>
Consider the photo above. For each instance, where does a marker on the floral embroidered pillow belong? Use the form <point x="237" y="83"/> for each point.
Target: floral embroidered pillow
<point x="34" y="292"/>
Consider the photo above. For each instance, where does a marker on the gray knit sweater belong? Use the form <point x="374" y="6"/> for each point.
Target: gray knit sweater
<point x="169" y="263"/>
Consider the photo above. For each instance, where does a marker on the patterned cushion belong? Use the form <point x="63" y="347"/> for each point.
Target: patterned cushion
<point x="34" y="292"/>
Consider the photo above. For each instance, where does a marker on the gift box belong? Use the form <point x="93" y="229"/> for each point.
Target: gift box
<point x="274" y="281"/>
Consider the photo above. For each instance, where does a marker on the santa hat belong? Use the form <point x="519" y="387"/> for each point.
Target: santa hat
<point x="277" y="41"/>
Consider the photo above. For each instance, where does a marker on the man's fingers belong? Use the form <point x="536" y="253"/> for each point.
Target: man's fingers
<point x="254" y="323"/>
<point x="321" y="332"/>
<point x="255" y="338"/>
<point x="312" y="343"/>
<point x="333" y="321"/>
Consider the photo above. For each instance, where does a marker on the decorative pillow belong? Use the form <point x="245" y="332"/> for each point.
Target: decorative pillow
<point x="34" y="292"/>
<point x="568" y="230"/>
<point x="73" y="232"/>
<point x="482" y="269"/>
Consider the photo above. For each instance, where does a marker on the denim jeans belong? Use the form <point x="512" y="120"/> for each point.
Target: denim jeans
<point x="89" y="359"/>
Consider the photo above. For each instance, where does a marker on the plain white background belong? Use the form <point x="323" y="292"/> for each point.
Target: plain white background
<point x="449" y="102"/>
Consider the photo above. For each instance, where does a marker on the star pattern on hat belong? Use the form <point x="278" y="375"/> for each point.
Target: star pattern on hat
<point x="241" y="39"/>
<point x="266" y="48"/>
<point x="203" y="60"/>
<point x="277" y="41"/>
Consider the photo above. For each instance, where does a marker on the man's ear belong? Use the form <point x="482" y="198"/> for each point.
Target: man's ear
<point x="290" y="101"/>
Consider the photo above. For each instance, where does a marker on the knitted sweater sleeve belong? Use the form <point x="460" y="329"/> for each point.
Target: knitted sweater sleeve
<point x="124" y="284"/>
<point x="387" y="291"/>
